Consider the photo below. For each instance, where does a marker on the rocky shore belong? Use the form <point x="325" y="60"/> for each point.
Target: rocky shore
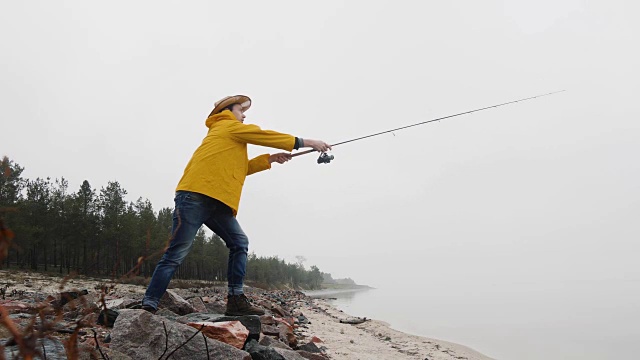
<point x="94" y="319"/>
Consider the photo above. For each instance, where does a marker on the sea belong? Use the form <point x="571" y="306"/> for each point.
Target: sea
<point x="530" y="321"/>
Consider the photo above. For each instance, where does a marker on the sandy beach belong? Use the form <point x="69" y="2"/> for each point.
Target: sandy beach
<point x="374" y="339"/>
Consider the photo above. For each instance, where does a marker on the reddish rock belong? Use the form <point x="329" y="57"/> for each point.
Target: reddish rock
<point x="289" y="320"/>
<point x="316" y="340"/>
<point x="275" y="309"/>
<point x="283" y="322"/>
<point x="286" y="335"/>
<point x="279" y="311"/>
<point x="14" y="306"/>
<point x="228" y="332"/>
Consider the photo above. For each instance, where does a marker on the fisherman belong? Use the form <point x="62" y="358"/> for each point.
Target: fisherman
<point x="209" y="193"/>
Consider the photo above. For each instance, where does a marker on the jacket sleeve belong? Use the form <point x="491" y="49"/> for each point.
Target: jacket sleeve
<point x="259" y="163"/>
<point x="253" y="134"/>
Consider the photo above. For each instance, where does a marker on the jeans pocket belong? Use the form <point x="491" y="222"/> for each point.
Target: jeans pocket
<point x="195" y="197"/>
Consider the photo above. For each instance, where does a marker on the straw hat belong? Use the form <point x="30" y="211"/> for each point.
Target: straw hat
<point x="243" y="100"/>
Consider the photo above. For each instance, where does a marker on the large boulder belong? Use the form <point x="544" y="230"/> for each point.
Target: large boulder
<point x="174" y="302"/>
<point x="141" y="335"/>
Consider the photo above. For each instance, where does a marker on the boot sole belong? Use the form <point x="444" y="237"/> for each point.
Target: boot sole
<point x="240" y="314"/>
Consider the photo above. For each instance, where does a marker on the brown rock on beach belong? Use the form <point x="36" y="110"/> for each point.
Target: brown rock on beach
<point x="228" y="332"/>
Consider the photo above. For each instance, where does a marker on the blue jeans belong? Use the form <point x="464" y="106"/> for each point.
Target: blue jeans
<point x="191" y="211"/>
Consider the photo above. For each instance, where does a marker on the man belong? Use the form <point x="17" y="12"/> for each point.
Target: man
<point x="209" y="193"/>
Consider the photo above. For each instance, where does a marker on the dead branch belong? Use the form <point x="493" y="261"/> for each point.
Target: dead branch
<point x="185" y="343"/>
<point x="166" y="342"/>
<point x="95" y="338"/>
<point x="206" y="345"/>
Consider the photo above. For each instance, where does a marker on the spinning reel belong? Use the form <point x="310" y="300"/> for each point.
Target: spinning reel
<point x="325" y="158"/>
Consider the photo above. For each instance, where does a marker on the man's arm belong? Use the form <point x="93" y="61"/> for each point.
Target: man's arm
<point x="263" y="162"/>
<point x="259" y="163"/>
<point x="253" y="134"/>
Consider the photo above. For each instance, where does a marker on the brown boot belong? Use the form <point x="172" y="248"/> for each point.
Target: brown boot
<point x="238" y="305"/>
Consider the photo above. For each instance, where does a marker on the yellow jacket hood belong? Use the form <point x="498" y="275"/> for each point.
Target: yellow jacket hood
<point x="224" y="115"/>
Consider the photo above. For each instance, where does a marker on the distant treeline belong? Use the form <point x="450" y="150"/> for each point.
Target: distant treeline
<point x="99" y="233"/>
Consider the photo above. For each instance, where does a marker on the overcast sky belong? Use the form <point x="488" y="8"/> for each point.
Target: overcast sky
<point x="547" y="188"/>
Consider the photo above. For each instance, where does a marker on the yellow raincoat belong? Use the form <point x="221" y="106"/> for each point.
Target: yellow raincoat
<point x="220" y="164"/>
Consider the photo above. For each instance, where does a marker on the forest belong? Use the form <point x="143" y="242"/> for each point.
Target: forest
<point x="94" y="232"/>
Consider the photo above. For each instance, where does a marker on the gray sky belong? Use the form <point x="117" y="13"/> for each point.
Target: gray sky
<point x="546" y="189"/>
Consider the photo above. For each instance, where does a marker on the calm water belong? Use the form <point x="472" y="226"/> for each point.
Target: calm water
<point x="573" y="320"/>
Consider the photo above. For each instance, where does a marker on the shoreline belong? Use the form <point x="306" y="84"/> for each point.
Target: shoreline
<point x="372" y="339"/>
<point x="375" y="339"/>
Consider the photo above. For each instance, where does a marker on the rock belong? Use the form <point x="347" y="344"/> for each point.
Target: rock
<point x="270" y="330"/>
<point x="267" y="320"/>
<point x="271" y="342"/>
<point x="140" y="335"/>
<point x="316" y="340"/>
<point x="79" y="307"/>
<point x="108" y="318"/>
<point x="198" y="304"/>
<point x="275" y="309"/>
<point x="15" y="306"/>
<point x="90" y="353"/>
<point x="286" y="335"/>
<point x="53" y="350"/>
<point x="123" y="303"/>
<point x="216" y="306"/>
<point x="260" y="352"/>
<point x="194" y="317"/>
<point x="289" y="320"/>
<point x="229" y="332"/>
<point x="303" y="319"/>
<point x="280" y="311"/>
<point x="310" y="347"/>
<point x="354" y="321"/>
<point x="289" y="354"/>
<point x="251" y="322"/>
<point x="68" y="296"/>
<point x="311" y="356"/>
<point x="168" y="314"/>
<point x="174" y="302"/>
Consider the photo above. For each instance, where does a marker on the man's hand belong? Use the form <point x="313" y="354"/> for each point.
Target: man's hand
<point x="280" y="158"/>
<point x="317" y="145"/>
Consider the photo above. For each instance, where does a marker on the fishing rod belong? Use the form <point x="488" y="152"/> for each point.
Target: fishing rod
<point x="326" y="158"/>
